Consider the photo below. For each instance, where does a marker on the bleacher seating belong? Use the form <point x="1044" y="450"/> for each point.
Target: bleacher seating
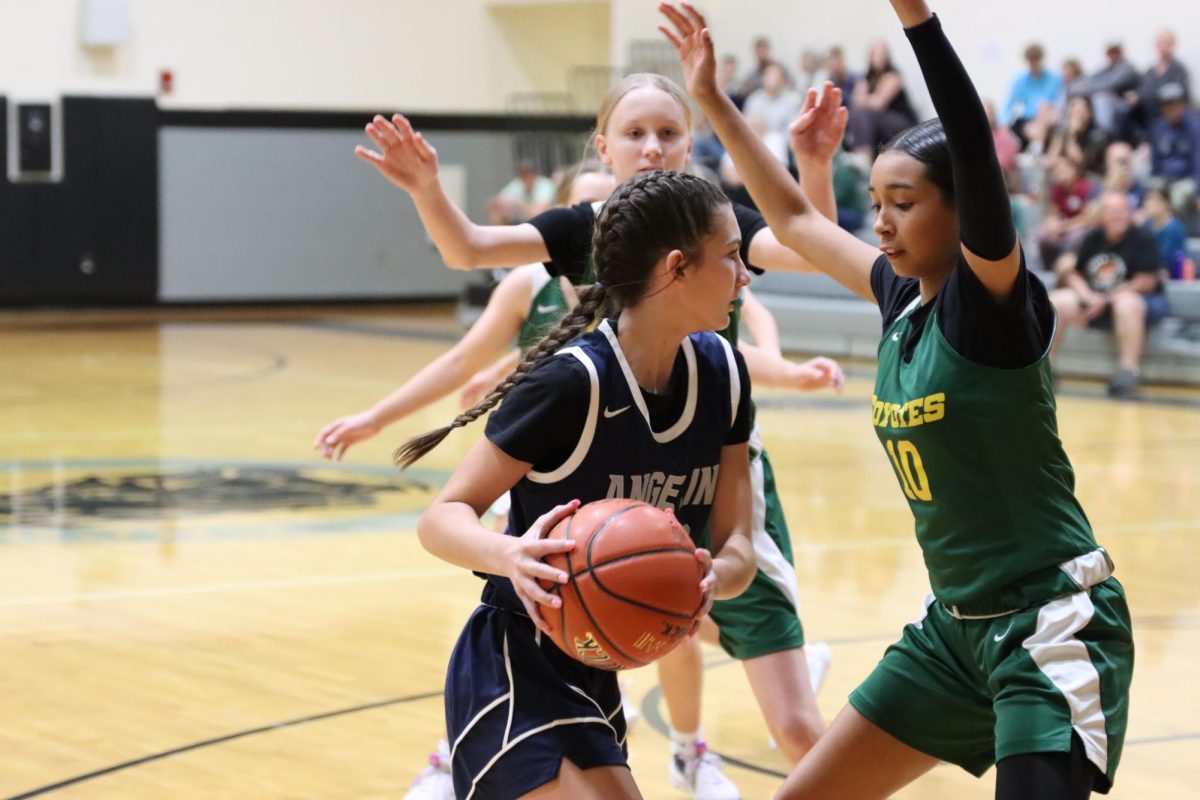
<point x="817" y="315"/>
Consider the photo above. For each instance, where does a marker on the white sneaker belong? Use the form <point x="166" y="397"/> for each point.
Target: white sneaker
<point x="435" y="782"/>
<point x="702" y="775"/>
<point x="632" y="715"/>
<point x="818" y="655"/>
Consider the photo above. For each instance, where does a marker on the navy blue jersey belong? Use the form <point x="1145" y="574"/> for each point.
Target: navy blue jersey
<point x="620" y="453"/>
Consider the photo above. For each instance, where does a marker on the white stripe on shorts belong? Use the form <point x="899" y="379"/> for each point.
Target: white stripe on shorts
<point x="769" y="557"/>
<point x="1064" y="660"/>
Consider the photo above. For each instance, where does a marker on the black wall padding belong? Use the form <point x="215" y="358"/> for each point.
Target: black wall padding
<point x="93" y="238"/>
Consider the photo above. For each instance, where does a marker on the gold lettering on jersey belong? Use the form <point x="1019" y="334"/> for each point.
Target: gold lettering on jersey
<point x="919" y="411"/>
<point x="591" y="653"/>
<point x="659" y="489"/>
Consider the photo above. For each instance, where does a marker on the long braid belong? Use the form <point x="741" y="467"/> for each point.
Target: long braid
<point x="592" y="301"/>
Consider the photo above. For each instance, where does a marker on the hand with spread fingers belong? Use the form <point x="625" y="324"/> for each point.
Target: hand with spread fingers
<point x="526" y="564"/>
<point x="816" y="132"/>
<point x="694" y="46"/>
<point x="404" y="157"/>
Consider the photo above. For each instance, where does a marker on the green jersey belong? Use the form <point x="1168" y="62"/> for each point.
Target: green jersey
<point x="547" y="306"/>
<point x="977" y="454"/>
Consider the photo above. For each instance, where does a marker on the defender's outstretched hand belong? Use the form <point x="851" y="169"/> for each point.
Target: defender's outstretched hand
<point x="816" y="132"/>
<point x="404" y="157"/>
<point x="694" y="46"/>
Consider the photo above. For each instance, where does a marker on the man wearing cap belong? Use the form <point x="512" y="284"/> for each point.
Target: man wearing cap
<point x="1108" y="88"/>
<point x="1167" y="69"/>
<point x="1175" y="149"/>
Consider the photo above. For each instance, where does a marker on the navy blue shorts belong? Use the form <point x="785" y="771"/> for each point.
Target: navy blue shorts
<point x="516" y="706"/>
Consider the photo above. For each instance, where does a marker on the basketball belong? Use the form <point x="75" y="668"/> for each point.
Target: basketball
<point x="633" y="591"/>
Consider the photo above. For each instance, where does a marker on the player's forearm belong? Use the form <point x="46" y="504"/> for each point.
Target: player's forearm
<point x="433" y="382"/>
<point x="452" y="532"/>
<point x="911" y="12"/>
<point x="734" y="566"/>
<point x="816" y="178"/>
<point x="765" y="368"/>
<point x="449" y="228"/>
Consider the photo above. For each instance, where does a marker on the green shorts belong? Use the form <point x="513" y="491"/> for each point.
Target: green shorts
<point x="765" y="618"/>
<point x="975" y="691"/>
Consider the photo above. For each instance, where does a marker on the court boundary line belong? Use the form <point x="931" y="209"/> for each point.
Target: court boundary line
<point x="87" y="776"/>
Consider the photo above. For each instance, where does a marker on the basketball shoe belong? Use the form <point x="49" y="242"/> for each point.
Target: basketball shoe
<point x="700" y="773"/>
<point x="434" y="783"/>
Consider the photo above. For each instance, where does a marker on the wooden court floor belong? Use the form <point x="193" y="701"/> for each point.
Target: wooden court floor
<point x="193" y="605"/>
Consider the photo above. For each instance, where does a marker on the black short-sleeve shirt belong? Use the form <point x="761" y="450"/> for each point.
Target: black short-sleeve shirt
<point x="542" y="418"/>
<point x="567" y="233"/>
<point x="1007" y="335"/>
<point x="1106" y="264"/>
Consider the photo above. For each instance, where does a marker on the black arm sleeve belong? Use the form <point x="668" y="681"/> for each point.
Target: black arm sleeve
<point x="542" y="418"/>
<point x="750" y="222"/>
<point x="567" y="233"/>
<point x="984" y="215"/>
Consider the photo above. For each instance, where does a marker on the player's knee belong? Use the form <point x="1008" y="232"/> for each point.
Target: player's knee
<point x="797" y="732"/>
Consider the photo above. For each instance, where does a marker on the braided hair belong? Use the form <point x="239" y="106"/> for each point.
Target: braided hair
<point x="646" y="218"/>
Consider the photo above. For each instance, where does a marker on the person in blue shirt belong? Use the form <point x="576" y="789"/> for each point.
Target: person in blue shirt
<point x="1168" y="231"/>
<point x="1175" y="148"/>
<point x="1029" y="91"/>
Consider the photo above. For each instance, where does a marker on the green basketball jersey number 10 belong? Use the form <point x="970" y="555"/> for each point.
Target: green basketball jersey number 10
<point x="977" y="454"/>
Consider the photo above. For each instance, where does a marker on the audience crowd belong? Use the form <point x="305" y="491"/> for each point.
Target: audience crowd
<point x="1103" y="168"/>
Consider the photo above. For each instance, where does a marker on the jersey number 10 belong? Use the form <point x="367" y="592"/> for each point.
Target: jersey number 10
<point x="910" y="470"/>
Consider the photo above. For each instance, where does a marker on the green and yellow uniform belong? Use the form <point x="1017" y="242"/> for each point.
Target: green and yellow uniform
<point x="1026" y="638"/>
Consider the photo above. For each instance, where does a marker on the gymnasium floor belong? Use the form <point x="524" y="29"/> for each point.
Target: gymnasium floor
<point x="193" y="605"/>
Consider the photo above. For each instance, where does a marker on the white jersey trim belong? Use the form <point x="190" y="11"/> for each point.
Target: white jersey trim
<point x="735" y="382"/>
<point x="589" y="427"/>
<point x="689" y="405"/>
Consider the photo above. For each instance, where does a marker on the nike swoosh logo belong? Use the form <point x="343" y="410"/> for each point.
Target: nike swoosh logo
<point x="999" y="637"/>
<point x="609" y="413"/>
<point x="896" y="336"/>
<point x="547" y="309"/>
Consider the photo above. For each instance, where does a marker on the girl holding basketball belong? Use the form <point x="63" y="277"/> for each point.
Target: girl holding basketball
<point x="644" y="124"/>
<point x="524" y="718"/>
<point x="1024" y="656"/>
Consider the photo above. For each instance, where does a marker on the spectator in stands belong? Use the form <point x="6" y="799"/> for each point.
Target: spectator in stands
<point x="776" y="104"/>
<point x="1080" y="139"/>
<point x="1166" y="70"/>
<point x="1030" y="90"/>
<point x="1119" y="175"/>
<point x="1108" y="88"/>
<point x="1168" y="231"/>
<point x="727" y="79"/>
<point x="1175" y="149"/>
<point x="762" y="59"/>
<point x="810" y="70"/>
<point x="1067" y="216"/>
<point x="707" y="150"/>
<point x="840" y="75"/>
<point x="1008" y="146"/>
<point x="1113" y="283"/>
<point x="1071" y="73"/>
<point x="525" y="196"/>
<point x="881" y="108"/>
<point x="1040" y="130"/>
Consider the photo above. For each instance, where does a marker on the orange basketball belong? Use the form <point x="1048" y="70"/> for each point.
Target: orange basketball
<point x="633" y="591"/>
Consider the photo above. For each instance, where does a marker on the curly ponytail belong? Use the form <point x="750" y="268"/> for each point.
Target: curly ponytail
<point x="646" y="218"/>
<point x="592" y="305"/>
